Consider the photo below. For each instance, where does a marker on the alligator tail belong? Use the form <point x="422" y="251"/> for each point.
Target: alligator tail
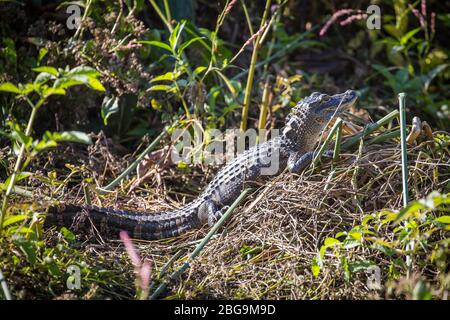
<point x="110" y="222"/>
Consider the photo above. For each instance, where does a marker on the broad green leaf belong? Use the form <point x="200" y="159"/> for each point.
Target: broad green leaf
<point x="433" y="73"/>
<point x="421" y="292"/>
<point x="9" y="87"/>
<point x="160" y="87"/>
<point x="78" y="79"/>
<point x="42" y="53"/>
<point x="47" y="69"/>
<point x="159" y="44"/>
<point x="345" y="266"/>
<point x="443" y="219"/>
<point x="156" y="105"/>
<point x="366" y="219"/>
<point x="19" y="176"/>
<point x="322" y="251"/>
<point x="388" y="41"/>
<point x="175" y="35"/>
<point x="89" y="81"/>
<point x="315" y="267"/>
<point x="110" y="106"/>
<point x="95" y="84"/>
<point x="402" y="76"/>
<point x="198" y="70"/>
<point x="168" y="76"/>
<point x="68" y="235"/>
<point x="29" y="87"/>
<point x="355" y="235"/>
<point x="188" y="43"/>
<point x="65" y="83"/>
<point x="25" y="230"/>
<point x="42" y="78"/>
<point x="361" y="265"/>
<point x="51" y="91"/>
<point x="84" y="70"/>
<point x="18" y="135"/>
<point x="14" y="218"/>
<point x="340" y="234"/>
<point x="44" y="144"/>
<point x="404" y="40"/>
<point x="410" y="210"/>
<point x="392" y="30"/>
<point x="387" y="74"/>
<point x="331" y="242"/>
<point x="351" y="243"/>
<point x="228" y="83"/>
<point x="72" y="136"/>
<point x="80" y="75"/>
<point x="28" y="248"/>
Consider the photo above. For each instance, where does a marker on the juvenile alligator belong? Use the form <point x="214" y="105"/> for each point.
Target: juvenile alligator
<point x="293" y="148"/>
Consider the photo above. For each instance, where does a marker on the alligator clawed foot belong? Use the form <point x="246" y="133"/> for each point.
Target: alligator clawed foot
<point x="329" y="154"/>
<point x="213" y="218"/>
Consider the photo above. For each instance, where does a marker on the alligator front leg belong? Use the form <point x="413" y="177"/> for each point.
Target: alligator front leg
<point x="297" y="163"/>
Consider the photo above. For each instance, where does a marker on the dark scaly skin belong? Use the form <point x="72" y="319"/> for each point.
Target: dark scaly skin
<point x="294" y="146"/>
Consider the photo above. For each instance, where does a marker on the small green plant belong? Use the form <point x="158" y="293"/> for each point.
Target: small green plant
<point x="50" y="81"/>
<point x="385" y="235"/>
<point x="22" y="247"/>
<point x="181" y="66"/>
<point x="24" y="255"/>
<point x="417" y="59"/>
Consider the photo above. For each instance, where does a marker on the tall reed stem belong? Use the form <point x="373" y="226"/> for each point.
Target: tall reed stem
<point x="401" y="101"/>
<point x="251" y="70"/>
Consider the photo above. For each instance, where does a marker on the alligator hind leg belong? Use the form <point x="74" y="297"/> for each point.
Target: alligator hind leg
<point x="213" y="217"/>
<point x="208" y="212"/>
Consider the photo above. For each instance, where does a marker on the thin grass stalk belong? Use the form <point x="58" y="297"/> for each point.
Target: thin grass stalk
<point x="370" y="128"/>
<point x="251" y="71"/>
<point x="79" y="31"/>
<point x="337" y="144"/>
<point x="136" y="162"/>
<point x="87" y="194"/>
<point x="356" y="171"/>
<point x="161" y="15"/>
<point x="401" y="98"/>
<point x="119" y="16"/>
<point x="167" y="22"/>
<point x="384" y="137"/>
<point x="12" y="181"/>
<point x="336" y="154"/>
<point x="4" y="286"/>
<point x="276" y="18"/>
<point x="165" y="267"/>
<point x="213" y="48"/>
<point x="410" y="244"/>
<point x="247" y="18"/>
<point x="26" y="193"/>
<point x="264" y="106"/>
<point x="167" y="9"/>
<point x="324" y="145"/>
<point x="279" y="54"/>
<point x="202" y="244"/>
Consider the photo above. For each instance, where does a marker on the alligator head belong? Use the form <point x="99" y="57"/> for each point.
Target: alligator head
<point x="312" y="114"/>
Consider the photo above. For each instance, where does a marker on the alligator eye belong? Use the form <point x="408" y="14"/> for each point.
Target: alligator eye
<point x="325" y="98"/>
